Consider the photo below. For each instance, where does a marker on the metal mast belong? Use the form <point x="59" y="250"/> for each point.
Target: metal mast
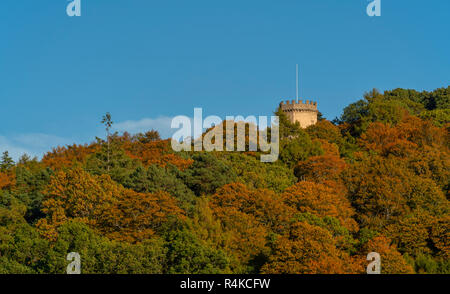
<point x="296" y="82"/>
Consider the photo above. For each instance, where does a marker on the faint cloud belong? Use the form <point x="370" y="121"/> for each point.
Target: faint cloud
<point x="14" y="151"/>
<point x="160" y="124"/>
<point x="33" y="144"/>
<point x="40" y="140"/>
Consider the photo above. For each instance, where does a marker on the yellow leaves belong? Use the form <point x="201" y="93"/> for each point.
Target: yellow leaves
<point x="387" y="140"/>
<point x="247" y="216"/>
<point x="155" y="152"/>
<point x="320" y="168"/>
<point x="104" y="205"/>
<point x="404" y="139"/>
<point x="7" y="181"/>
<point x="440" y="236"/>
<point x="264" y="205"/>
<point x="392" y="261"/>
<point x="47" y="230"/>
<point x="78" y="194"/>
<point x="411" y="234"/>
<point x="322" y="201"/>
<point x="66" y="157"/>
<point x="137" y="216"/>
<point x="330" y="149"/>
<point x="306" y="249"/>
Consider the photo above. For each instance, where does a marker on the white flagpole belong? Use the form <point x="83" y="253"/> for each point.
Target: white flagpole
<point x="296" y="81"/>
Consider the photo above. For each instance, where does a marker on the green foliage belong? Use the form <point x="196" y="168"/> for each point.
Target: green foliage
<point x="298" y="149"/>
<point x="8" y="266"/>
<point x="147" y="137"/>
<point x="437" y="99"/>
<point x="389" y="112"/>
<point x="355" y="112"/>
<point x="325" y="130"/>
<point x="286" y="128"/>
<point x="392" y="105"/>
<point x="6" y="162"/>
<point x="111" y="160"/>
<point x="426" y="264"/>
<point x="23" y="245"/>
<point x="100" y="255"/>
<point x="439" y="117"/>
<point x="186" y="254"/>
<point x="30" y="182"/>
<point x="207" y="173"/>
<point x="156" y="178"/>
<point x="344" y="238"/>
<point x="256" y="174"/>
<point x="388" y="190"/>
<point x="377" y="179"/>
<point x="365" y="234"/>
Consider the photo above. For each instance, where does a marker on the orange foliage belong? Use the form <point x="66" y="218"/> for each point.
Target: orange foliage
<point x="325" y="130"/>
<point x="321" y="200"/>
<point x="307" y="249"/>
<point x="247" y="215"/>
<point x="7" y="180"/>
<point x="104" y="205"/>
<point x="75" y="195"/>
<point x="422" y="132"/>
<point x="404" y="139"/>
<point x="137" y="216"/>
<point x="244" y="236"/>
<point x="383" y="190"/>
<point x="330" y="149"/>
<point x="440" y="236"/>
<point x="387" y="140"/>
<point x="411" y="235"/>
<point x="155" y="152"/>
<point x="320" y="168"/>
<point x="264" y="205"/>
<point x="66" y="157"/>
<point x="392" y="261"/>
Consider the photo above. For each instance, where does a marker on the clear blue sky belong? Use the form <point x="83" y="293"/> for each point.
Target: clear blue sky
<point x="146" y="61"/>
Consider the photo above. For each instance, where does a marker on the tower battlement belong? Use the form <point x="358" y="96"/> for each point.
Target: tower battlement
<point x="303" y="112"/>
<point x="292" y="105"/>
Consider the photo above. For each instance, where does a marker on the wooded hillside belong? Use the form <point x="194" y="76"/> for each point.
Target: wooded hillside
<point x="375" y="179"/>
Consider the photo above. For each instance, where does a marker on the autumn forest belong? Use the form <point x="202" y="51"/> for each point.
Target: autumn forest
<point x="376" y="179"/>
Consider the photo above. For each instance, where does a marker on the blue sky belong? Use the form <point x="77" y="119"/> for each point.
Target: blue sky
<point x="147" y="61"/>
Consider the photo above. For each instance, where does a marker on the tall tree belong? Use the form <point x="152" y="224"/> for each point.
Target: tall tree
<point x="6" y="162"/>
<point x="107" y="121"/>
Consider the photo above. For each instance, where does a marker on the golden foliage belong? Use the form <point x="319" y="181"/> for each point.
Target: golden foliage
<point x="66" y="157"/>
<point x="307" y="249"/>
<point x="7" y="180"/>
<point x="392" y="261"/>
<point x="155" y="152"/>
<point x="321" y="200"/>
<point x="105" y="205"/>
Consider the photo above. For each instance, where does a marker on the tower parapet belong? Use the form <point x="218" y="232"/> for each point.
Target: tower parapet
<point x="304" y="113"/>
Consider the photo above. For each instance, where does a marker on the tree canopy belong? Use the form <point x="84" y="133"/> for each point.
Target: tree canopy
<point x="375" y="179"/>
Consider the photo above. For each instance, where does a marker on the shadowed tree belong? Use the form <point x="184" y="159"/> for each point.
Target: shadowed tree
<point x="6" y="162"/>
<point x="106" y="120"/>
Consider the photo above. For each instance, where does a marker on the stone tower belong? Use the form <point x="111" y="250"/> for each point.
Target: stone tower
<point x="304" y="113"/>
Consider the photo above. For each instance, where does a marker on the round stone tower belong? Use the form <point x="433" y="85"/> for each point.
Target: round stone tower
<point x="304" y="113"/>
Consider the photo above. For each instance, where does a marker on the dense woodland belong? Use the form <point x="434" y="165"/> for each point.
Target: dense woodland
<point x="375" y="179"/>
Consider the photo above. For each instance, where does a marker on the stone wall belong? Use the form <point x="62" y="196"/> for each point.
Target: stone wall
<point x="304" y="113"/>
